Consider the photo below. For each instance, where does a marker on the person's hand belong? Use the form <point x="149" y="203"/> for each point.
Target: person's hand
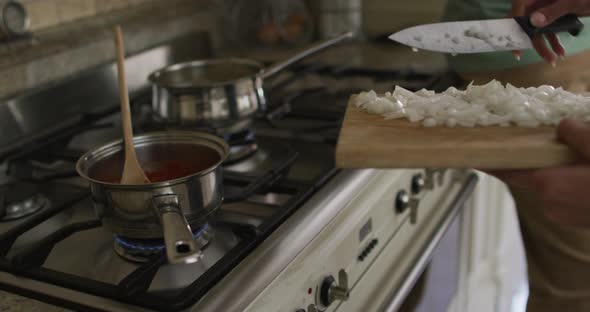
<point x="564" y="191"/>
<point x="543" y="13"/>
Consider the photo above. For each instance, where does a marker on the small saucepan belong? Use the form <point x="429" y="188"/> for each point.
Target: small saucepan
<point x="218" y="92"/>
<point x="185" y="174"/>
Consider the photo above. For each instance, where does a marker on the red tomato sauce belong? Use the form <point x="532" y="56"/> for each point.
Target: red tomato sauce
<point x="164" y="163"/>
<point x="169" y="170"/>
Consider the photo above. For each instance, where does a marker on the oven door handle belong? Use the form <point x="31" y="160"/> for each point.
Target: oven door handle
<point x="398" y="297"/>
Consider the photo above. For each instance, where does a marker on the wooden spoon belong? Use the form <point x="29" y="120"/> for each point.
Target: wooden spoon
<point x="132" y="172"/>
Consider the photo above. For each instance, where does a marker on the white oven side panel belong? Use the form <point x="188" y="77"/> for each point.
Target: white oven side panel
<point x="493" y="268"/>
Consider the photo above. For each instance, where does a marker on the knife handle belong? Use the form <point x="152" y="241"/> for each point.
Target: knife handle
<point x="567" y="23"/>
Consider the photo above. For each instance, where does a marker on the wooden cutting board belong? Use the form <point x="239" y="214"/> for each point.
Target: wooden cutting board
<point x="370" y="141"/>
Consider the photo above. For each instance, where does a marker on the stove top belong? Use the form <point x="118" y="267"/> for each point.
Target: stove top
<point x="49" y="231"/>
<point x="64" y="243"/>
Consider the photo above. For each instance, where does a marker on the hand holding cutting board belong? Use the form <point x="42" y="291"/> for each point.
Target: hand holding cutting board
<point x="563" y="190"/>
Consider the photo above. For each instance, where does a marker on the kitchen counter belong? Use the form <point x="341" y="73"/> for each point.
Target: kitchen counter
<point x="14" y="303"/>
<point x="368" y="55"/>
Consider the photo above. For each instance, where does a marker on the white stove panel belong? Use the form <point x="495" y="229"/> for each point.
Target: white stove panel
<point x="351" y="243"/>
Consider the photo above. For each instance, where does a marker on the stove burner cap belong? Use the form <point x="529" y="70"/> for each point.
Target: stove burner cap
<point x="141" y="250"/>
<point x="242" y="145"/>
<point x="21" y="200"/>
<point x="24" y="208"/>
<point x="240" y="152"/>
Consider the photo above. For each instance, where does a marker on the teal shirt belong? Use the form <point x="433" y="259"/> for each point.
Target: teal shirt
<point x="464" y="10"/>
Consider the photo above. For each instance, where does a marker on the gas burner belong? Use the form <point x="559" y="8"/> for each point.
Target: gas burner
<point x="238" y="153"/>
<point x="150" y="121"/>
<point x="269" y="156"/>
<point x="24" y="208"/>
<point x="20" y="200"/>
<point x="239" y="136"/>
<point x="141" y="250"/>
<point x="242" y="146"/>
<point x="306" y="102"/>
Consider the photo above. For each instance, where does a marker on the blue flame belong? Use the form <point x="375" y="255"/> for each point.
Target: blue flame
<point x="132" y="246"/>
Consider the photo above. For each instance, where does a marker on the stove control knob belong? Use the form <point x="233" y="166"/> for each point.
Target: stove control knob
<point x="402" y="201"/>
<point x="330" y="292"/>
<point x="311" y="308"/>
<point x="418" y="183"/>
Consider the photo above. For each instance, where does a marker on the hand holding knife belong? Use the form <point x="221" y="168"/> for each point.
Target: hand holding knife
<point x="484" y="35"/>
<point x="535" y="19"/>
<point x="543" y="13"/>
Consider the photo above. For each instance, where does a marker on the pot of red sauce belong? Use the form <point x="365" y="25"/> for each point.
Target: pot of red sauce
<point x="185" y="187"/>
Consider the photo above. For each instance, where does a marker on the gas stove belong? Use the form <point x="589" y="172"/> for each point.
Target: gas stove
<point x="293" y="233"/>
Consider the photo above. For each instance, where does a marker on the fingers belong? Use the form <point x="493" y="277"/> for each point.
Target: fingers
<point x="565" y="194"/>
<point x="517" y="54"/>
<point x="549" y="13"/>
<point x="576" y="134"/>
<point x="556" y="44"/>
<point x="549" y="56"/>
<point x="541" y="47"/>
<point x="537" y="9"/>
<point x="518" y="8"/>
<point x="521" y="179"/>
<point x="563" y="191"/>
<point x="565" y="215"/>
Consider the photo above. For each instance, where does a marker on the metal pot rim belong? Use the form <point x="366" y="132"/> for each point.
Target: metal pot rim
<point x="109" y="148"/>
<point x="154" y="77"/>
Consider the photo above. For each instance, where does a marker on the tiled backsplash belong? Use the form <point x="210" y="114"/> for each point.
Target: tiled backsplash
<point x="47" y="13"/>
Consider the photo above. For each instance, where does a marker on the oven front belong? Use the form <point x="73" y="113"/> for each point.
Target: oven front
<point x="393" y="247"/>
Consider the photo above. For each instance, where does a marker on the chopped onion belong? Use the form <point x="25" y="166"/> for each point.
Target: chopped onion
<point x="451" y="122"/>
<point x="492" y="104"/>
<point x="429" y="122"/>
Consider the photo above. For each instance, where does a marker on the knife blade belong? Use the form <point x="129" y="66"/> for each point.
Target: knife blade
<point x="483" y="35"/>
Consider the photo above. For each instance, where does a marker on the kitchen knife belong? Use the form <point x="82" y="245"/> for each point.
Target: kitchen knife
<point x="483" y="35"/>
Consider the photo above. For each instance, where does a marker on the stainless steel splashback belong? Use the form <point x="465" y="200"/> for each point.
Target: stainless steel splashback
<point x="45" y="111"/>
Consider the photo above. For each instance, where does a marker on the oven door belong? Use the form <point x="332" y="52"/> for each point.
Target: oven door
<point x="421" y="275"/>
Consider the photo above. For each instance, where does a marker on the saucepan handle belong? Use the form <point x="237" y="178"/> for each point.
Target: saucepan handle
<point x="181" y="246"/>
<point x="320" y="46"/>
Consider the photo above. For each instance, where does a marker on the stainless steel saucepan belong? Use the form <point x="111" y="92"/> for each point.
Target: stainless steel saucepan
<point x="186" y="188"/>
<point x="218" y="92"/>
